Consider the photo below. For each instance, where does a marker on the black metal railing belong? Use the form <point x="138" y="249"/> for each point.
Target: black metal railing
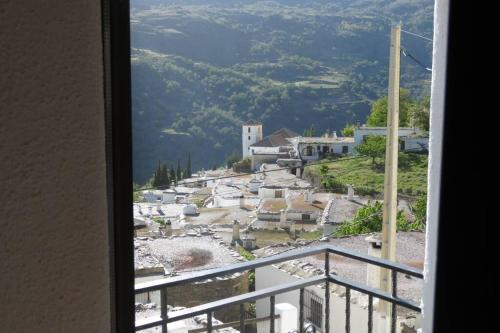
<point x="208" y="309"/>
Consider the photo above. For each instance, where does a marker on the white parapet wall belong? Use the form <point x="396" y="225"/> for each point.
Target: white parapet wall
<point x="288" y="315"/>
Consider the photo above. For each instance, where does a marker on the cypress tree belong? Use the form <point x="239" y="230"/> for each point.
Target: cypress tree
<point x="165" y="182"/>
<point x="157" y="176"/>
<point x="188" y="171"/>
<point x="172" y="176"/>
<point x="179" y="171"/>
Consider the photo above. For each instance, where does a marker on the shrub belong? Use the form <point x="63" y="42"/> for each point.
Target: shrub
<point x="369" y="219"/>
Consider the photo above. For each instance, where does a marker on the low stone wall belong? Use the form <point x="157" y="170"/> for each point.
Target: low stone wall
<point x="268" y="216"/>
<point x="189" y="295"/>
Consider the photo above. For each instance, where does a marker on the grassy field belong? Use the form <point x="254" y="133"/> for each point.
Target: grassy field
<point x="412" y="173"/>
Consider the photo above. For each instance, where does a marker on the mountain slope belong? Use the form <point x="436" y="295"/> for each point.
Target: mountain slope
<point x="200" y="70"/>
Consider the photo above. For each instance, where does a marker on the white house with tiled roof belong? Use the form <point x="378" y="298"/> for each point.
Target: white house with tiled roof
<point x="316" y="148"/>
<point x="270" y="148"/>
<point x="410" y="138"/>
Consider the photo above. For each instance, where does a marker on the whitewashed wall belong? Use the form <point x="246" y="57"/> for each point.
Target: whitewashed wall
<point x="360" y="132"/>
<point x="416" y="143"/>
<point x="269" y="276"/>
<point x="265" y="192"/>
<point x="255" y="135"/>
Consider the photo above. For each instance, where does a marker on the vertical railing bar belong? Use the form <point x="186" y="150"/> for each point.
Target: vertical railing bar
<point x="347" y="310"/>
<point x="242" y="318"/>
<point x="394" y="276"/>
<point x="209" y="322"/>
<point x="271" y="330"/>
<point x="327" y="292"/>
<point x="370" y="313"/>
<point x="301" y="311"/>
<point x="164" y="309"/>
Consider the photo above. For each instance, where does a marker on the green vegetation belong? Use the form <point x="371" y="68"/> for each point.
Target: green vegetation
<point x="232" y="159"/>
<point x="369" y="219"/>
<point x="136" y="194"/>
<point x="348" y="130"/>
<point x="309" y="235"/>
<point x="251" y="274"/>
<point x="243" y="166"/>
<point x="246" y="254"/>
<point x="200" y="69"/>
<point x="368" y="179"/>
<point x="164" y="177"/>
<point x="412" y="112"/>
<point x="161" y="176"/>
<point x="420" y="210"/>
<point x="309" y="132"/>
<point x="373" y="146"/>
<point x="161" y="221"/>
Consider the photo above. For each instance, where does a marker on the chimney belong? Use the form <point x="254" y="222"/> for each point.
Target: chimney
<point x="282" y="217"/>
<point x="350" y="192"/>
<point x="292" y="229"/>
<point x="288" y="199"/>
<point x="236" y="231"/>
<point x="374" y="250"/>
<point x="308" y="196"/>
<point x="334" y="134"/>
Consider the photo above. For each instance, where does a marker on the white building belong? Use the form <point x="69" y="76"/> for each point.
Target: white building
<point x="271" y="148"/>
<point x="250" y="134"/>
<point x="190" y="209"/>
<point x="169" y="196"/>
<point x="411" y="138"/>
<point x="152" y="196"/>
<point x="316" y="148"/>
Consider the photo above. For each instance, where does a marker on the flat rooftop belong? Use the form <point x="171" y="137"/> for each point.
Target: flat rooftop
<point x="317" y="204"/>
<point x="410" y="250"/>
<point x="321" y="140"/>
<point x="182" y="254"/>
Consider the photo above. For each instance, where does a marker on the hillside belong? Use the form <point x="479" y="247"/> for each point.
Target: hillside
<point x="199" y="70"/>
<point x="366" y="177"/>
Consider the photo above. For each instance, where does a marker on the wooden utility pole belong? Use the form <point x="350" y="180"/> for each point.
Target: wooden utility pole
<point x="391" y="170"/>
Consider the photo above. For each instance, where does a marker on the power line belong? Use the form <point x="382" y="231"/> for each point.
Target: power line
<point x="164" y="187"/>
<point x="282" y="182"/>
<point x="407" y="54"/>
<point x="416" y="35"/>
<point x="321" y="162"/>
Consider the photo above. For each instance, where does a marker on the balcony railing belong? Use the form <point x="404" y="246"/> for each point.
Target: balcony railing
<point x="162" y="286"/>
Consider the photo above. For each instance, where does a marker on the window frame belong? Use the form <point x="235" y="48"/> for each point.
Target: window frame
<point x="118" y="114"/>
<point x="115" y="17"/>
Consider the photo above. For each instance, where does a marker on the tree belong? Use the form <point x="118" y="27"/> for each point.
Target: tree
<point x="178" y="174"/>
<point x="378" y="115"/>
<point x="420" y="114"/>
<point x="160" y="177"/>
<point x="348" y="130"/>
<point x="373" y="146"/>
<point x="323" y="170"/>
<point x="310" y="132"/>
<point x="231" y="159"/>
<point x="173" y="177"/>
<point x="188" y="170"/>
<point x="164" y="177"/>
<point x="369" y="219"/>
<point x="329" y="182"/>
